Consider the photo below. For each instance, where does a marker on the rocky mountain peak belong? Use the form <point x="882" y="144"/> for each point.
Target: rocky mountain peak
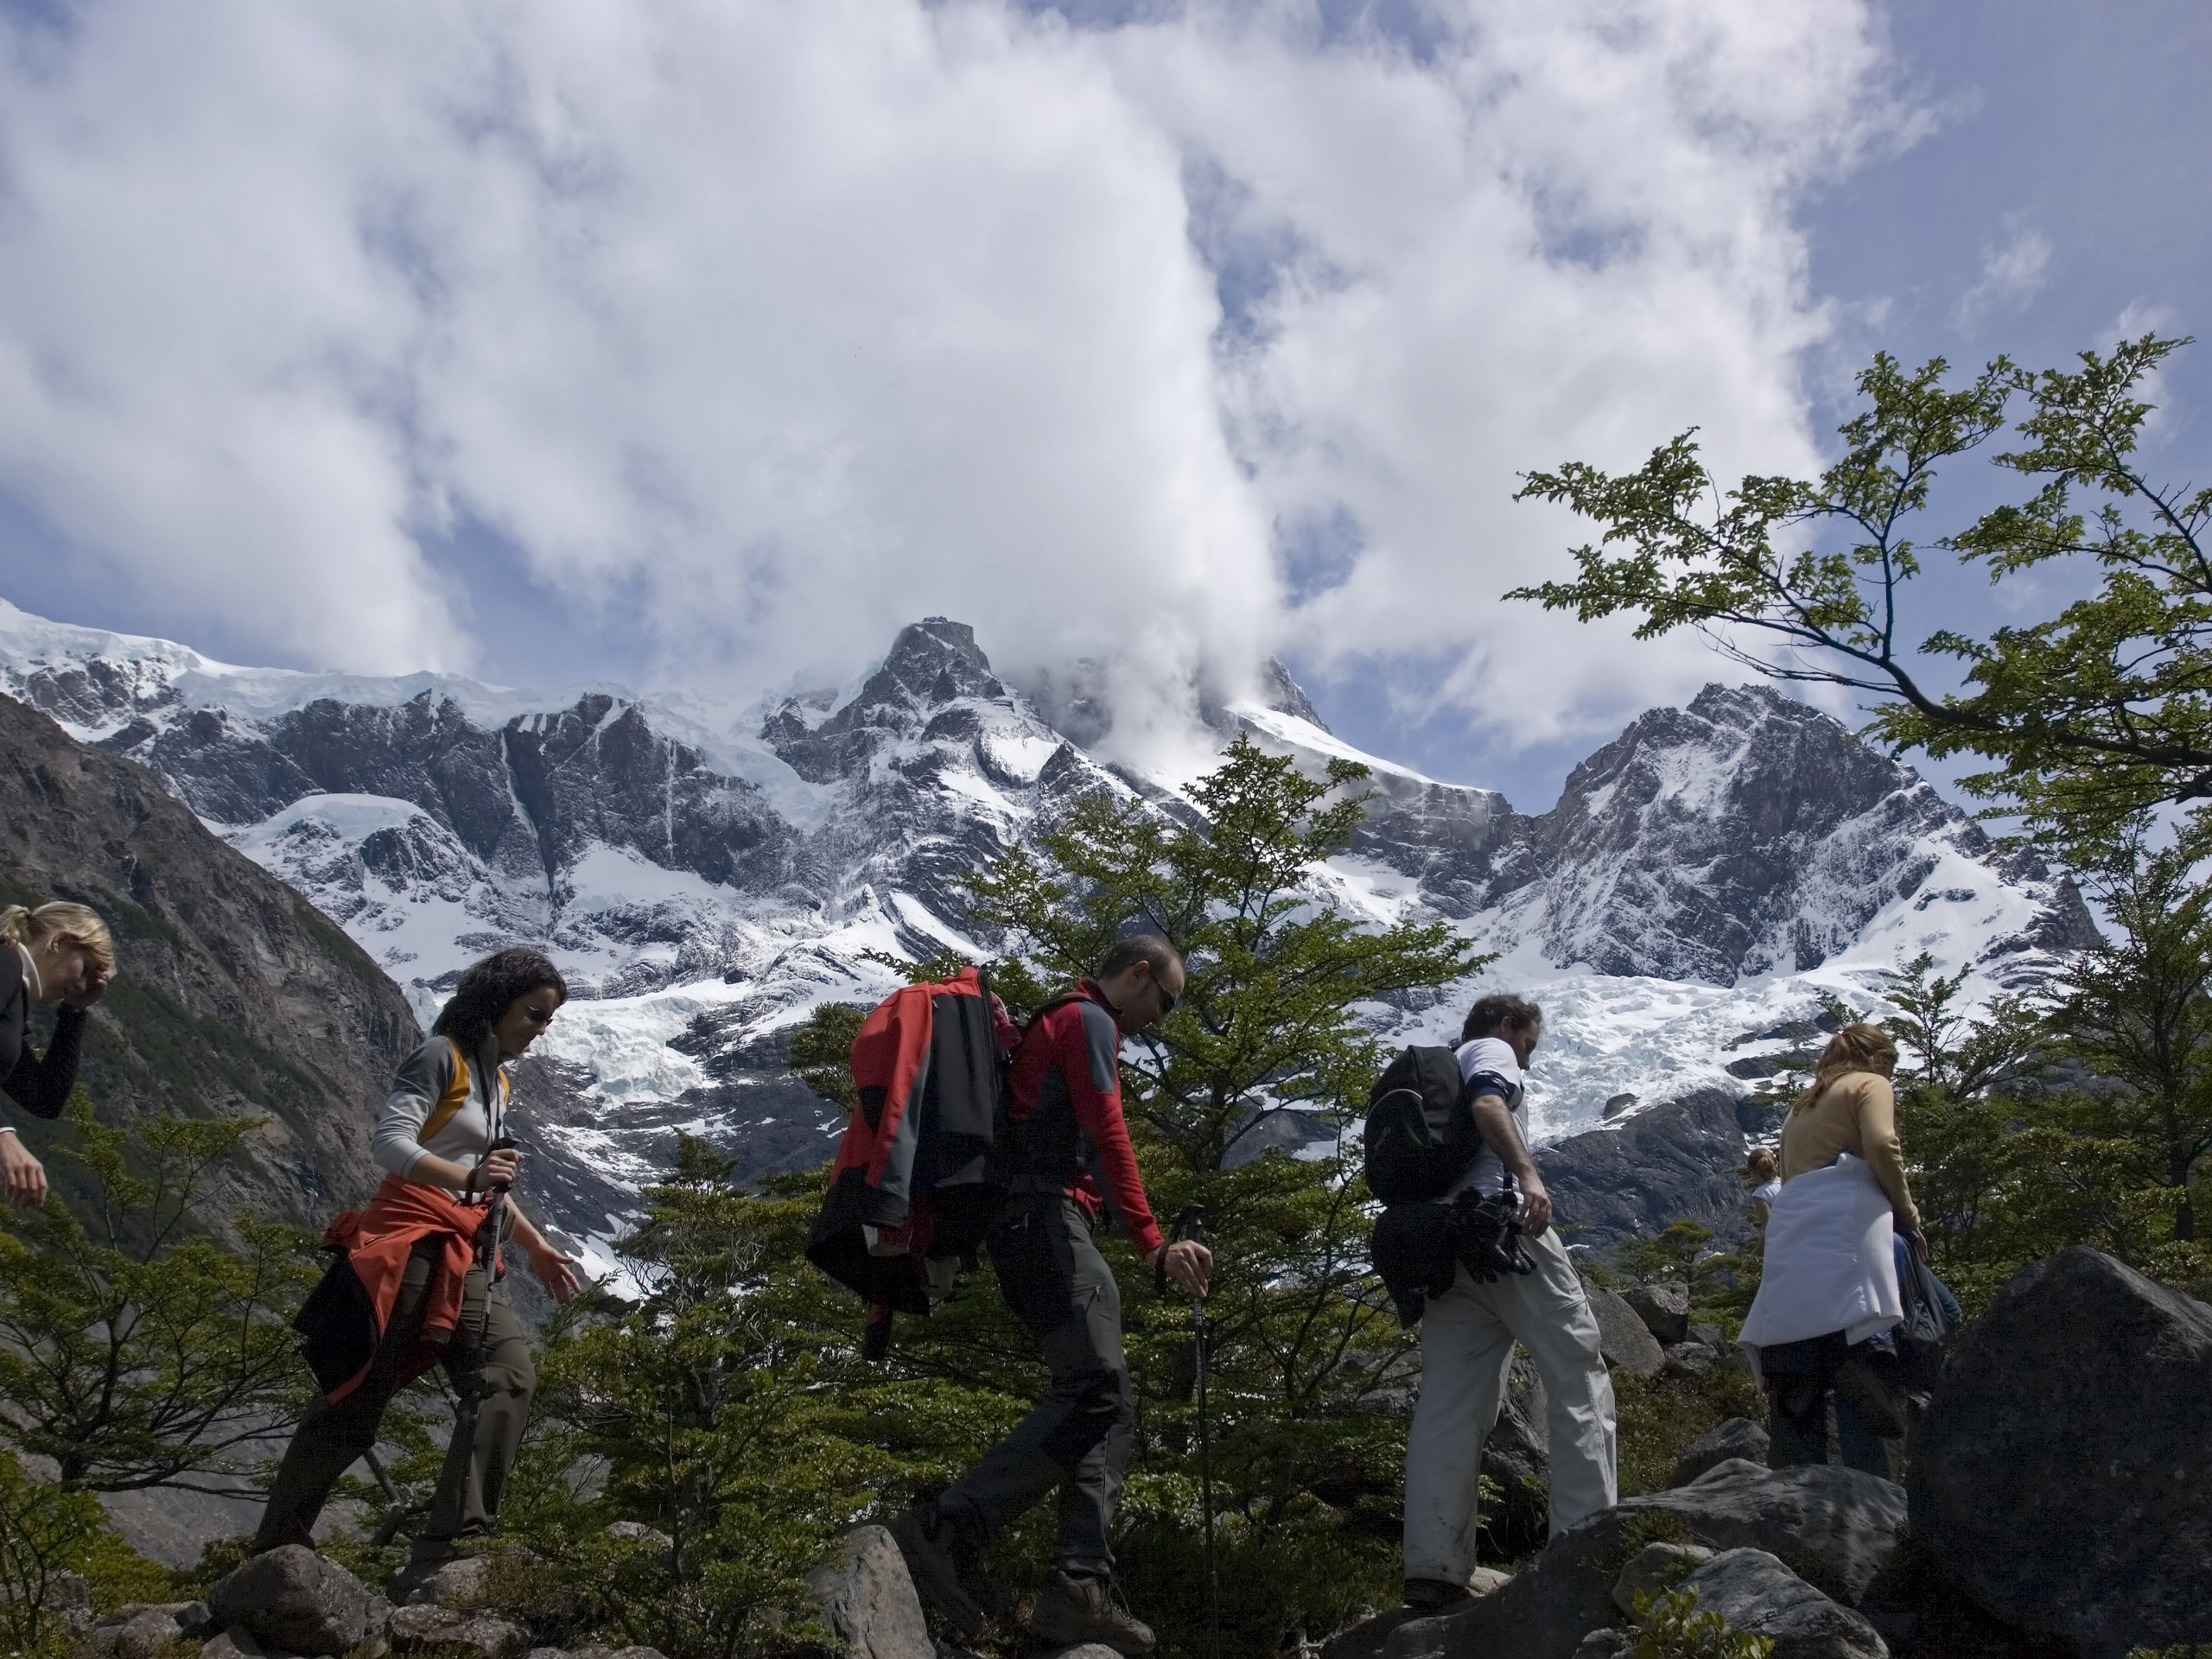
<point x="932" y="663"/>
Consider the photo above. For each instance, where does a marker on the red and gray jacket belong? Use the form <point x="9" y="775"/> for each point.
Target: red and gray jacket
<point x="919" y="1172"/>
<point x="1066" y="1102"/>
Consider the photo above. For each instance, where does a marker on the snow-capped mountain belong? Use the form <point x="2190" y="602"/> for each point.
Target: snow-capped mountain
<point x="707" y="878"/>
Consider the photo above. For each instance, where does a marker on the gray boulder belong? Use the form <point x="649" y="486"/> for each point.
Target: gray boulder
<point x="1607" y="1644"/>
<point x="1664" y="1309"/>
<point x="2062" y="1475"/>
<point x="1621" y="1335"/>
<point x="1086" y="1650"/>
<point x="1756" y="1594"/>
<point x="426" y="1628"/>
<point x="867" y="1599"/>
<point x="1739" y="1437"/>
<point x="295" y="1599"/>
<point x="1655" y="1566"/>
<point x="1837" y="1527"/>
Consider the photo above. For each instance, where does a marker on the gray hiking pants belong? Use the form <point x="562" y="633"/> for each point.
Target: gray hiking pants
<point x="1077" y="1438"/>
<point x="488" y="1352"/>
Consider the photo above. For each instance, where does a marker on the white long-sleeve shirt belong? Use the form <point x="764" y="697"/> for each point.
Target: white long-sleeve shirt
<point x="428" y="1081"/>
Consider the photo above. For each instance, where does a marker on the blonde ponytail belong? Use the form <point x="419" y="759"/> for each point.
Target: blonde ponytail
<point x="72" y="924"/>
<point x="1858" y="1047"/>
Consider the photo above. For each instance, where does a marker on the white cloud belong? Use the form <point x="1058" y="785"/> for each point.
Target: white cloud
<point x="2012" y="273"/>
<point x="805" y="321"/>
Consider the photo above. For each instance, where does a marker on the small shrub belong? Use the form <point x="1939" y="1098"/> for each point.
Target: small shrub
<point x="1674" y="1628"/>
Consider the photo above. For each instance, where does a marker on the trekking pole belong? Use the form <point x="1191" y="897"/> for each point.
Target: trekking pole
<point x="470" y="1388"/>
<point x="1192" y="1225"/>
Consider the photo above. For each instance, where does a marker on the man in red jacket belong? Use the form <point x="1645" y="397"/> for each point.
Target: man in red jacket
<point x="1073" y="1166"/>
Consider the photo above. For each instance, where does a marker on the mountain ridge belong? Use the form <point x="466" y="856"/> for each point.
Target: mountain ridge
<point x="1711" y="871"/>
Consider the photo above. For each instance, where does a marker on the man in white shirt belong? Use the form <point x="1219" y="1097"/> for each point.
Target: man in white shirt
<point x="1467" y="1336"/>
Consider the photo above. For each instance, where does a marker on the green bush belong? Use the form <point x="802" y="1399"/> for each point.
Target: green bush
<point x="1674" y="1628"/>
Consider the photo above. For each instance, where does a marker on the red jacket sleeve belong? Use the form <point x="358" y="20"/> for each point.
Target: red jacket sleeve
<point x="1090" y="1053"/>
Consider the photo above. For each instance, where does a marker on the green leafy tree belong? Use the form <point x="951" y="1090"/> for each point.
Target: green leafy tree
<point x="46" y="1533"/>
<point x="2088" y="717"/>
<point x="134" y="1352"/>
<point x="1271" y="1017"/>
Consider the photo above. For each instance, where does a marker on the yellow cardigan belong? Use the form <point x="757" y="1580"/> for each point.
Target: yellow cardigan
<point x="1857" y="1114"/>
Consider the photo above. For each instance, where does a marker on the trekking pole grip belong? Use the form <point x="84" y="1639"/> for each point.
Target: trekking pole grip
<point x="1190" y="1225"/>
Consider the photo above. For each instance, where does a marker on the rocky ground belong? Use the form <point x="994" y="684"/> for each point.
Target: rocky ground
<point x="2058" y="1505"/>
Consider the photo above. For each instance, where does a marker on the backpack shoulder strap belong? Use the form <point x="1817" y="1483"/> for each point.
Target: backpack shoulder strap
<point x="450" y="1102"/>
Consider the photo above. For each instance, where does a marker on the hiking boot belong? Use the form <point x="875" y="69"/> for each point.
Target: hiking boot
<point x="1073" y="1610"/>
<point x="944" y="1570"/>
<point x="1434" y="1595"/>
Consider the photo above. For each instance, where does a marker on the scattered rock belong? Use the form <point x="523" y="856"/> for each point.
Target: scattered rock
<point x="1714" y="1338"/>
<point x="1615" y="1105"/>
<point x="459" y="1584"/>
<point x="867" y="1599"/>
<point x="148" y="1635"/>
<point x="2061" y="1476"/>
<point x="1756" y="1594"/>
<point x="1484" y="1579"/>
<point x="1739" y="1437"/>
<point x="235" y="1644"/>
<point x="1689" y="1359"/>
<point x="421" y="1627"/>
<point x="1655" y="1566"/>
<point x="1621" y="1336"/>
<point x="1607" y="1644"/>
<point x="608" y="1653"/>
<point x="1087" y="1650"/>
<point x="1836" y="1527"/>
<point x="1367" y="1637"/>
<point x="293" y="1598"/>
<point x="1664" y="1309"/>
<point x="1516" y="1456"/>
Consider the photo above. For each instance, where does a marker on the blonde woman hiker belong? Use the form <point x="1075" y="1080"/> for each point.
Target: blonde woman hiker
<point x="418" y="1281"/>
<point x="1828" y="1293"/>
<point x="57" y="953"/>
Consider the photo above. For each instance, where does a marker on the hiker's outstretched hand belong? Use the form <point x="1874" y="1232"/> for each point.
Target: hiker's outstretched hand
<point x="1188" y="1262"/>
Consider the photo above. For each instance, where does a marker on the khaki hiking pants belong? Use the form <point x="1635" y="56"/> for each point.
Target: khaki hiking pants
<point x="1466" y="1346"/>
<point x="488" y="1350"/>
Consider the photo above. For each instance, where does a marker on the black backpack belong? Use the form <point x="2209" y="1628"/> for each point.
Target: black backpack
<point x="1421" y="1135"/>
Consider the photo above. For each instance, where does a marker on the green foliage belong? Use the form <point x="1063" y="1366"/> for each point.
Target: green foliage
<point x="2089" y="716"/>
<point x="1675" y="1628"/>
<point x="819" y="1052"/>
<point x="45" y="1531"/>
<point x="702" y="1411"/>
<point x="1270" y="1017"/>
<point x="1659" y="1417"/>
<point x="2009" y="1166"/>
<point x="134" y="1353"/>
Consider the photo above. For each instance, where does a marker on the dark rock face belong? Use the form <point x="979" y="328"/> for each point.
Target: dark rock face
<point x="1621" y="1338"/>
<point x="867" y="1599"/>
<point x="1835" y="1528"/>
<point x="1738" y="1438"/>
<point x="233" y="996"/>
<point x="1757" y="1594"/>
<point x="295" y="1599"/>
<point x="1672" y="1161"/>
<point x="931" y="663"/>
<point x="1746" y="834"/>
<point x="2063" y="1477"/>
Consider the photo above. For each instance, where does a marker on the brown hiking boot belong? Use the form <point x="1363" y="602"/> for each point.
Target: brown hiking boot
<point x="944" y="1570"/>
<point x="1072" y="1612"/>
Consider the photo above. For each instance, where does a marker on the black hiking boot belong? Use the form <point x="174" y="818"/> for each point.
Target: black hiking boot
<point x="1073" y="1610"/>
<point x="1434" y="1595"/>
<point x="944" y="1568"/>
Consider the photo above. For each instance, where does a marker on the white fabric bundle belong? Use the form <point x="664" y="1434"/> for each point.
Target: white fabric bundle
<point x="1831" y="1260"/>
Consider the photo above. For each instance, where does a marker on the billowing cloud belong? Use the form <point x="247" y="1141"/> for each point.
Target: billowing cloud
<point x="1171" y="342"/>
<point x="2013" y="272"/>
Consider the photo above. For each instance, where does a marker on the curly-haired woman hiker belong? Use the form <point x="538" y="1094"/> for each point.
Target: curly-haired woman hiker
<point x="418" y="1256"/>
<point x="57" y="953"/>
<point x="1829" y="1291"/>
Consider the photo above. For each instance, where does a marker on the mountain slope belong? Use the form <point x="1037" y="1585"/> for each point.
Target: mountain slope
<point x="707" y="876"/>
<point x="234" y="994"/>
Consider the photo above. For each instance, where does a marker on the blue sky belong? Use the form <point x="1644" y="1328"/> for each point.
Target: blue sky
<point x="559" y="342"/>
